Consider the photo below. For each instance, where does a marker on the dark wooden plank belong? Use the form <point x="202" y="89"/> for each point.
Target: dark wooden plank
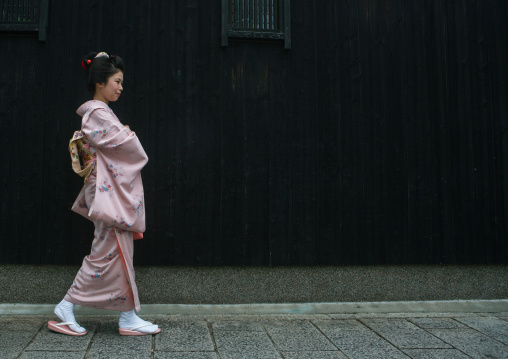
<point x="233" y="152"/>
<point x="497" y="26"/>
<point x="421" y="180"/>
<point x="280" y="161"/>
<point x="349" y="93"/>
<point x="376" y="129"/>
<point x="21" y="83"/>
<point x="205" y="160"/>
<point x="436" y="77"/>
<point x="460" y="107"/>
<point x="355" y="203"/>
<point x="179" y="142"/>
<point x="483" y="143"/>
<point x="395" y="143"/>
<point x="303" y="102"/>
<point x="329" y="60"/>
<point x="258" y="116"/>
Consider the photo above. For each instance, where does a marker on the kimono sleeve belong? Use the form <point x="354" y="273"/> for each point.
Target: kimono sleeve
<point x="118" y="198"/>
<point x="101" y="128"/>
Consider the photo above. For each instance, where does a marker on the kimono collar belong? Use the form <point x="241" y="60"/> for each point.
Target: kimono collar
<point x="95" y="104"/>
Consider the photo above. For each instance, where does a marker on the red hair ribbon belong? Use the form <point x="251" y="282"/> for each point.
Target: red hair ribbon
<point x="88" y="62"/>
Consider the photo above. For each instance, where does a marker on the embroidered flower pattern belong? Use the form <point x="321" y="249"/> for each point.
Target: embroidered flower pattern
<point x="101" y="133"/>
<point x="115" y="171"/>
<point x="121" y="222"/>
<point x="138" y="207"/>
<point x="98" y="274"/>
<point x="114" y="146"/>
<point x="105" y="187"/>
<point x="105" y="232"/>
<point x="82" y="205"/>
<point x="109" y="257"/>
<point x="116" y="298"/>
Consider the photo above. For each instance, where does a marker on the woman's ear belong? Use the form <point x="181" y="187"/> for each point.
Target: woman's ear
<point x="99" y="85"/>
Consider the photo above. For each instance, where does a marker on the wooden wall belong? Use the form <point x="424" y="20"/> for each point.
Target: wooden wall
<point x="380" y="137"/>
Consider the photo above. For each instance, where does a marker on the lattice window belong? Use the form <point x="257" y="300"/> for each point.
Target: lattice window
<point x="25" y="16"/>
<point x="265" y="19"/>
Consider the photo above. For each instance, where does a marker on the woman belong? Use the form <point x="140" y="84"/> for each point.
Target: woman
<point x="112" y="198"/>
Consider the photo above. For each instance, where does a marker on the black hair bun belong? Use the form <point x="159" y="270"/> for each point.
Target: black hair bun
<point x="117" y="62"/>
<point x="87" y="60"/>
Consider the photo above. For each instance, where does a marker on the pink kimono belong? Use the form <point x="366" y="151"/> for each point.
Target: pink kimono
<point x="112" y="198"/>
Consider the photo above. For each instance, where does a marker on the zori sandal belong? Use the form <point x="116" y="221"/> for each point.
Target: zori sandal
<point x="63" y="328"/>
<point x="134" y="331"/>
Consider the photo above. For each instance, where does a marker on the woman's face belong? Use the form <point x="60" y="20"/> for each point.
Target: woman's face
<point x="111" y="90"/>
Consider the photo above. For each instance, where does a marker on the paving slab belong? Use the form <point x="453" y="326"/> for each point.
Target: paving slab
<point x="374" y="353"/>
<point x="22" y="323"/>
<point x="245" y="344"/>
<point x="184" y="336"/>
<point x="355" y="339"/>
<point x="314" y="355"/>
<point x="10" y="353"/>
<point x="359" y="342"/>
<point x="491" y="326"/>
<point x="107" y="343"/>
<point x="101" y="353"/>
<point x="404" y="334"/>
<point x="435" y="354"/>
<point x="48" y="340"/>
<point x="340" y="325"/>
<point x="251" y="354"/>
<point x="12" y="343"/>
<point x="186" y="355"/>
<point x="238" y="325"/>
<point x="297" y="335"/>
<point x="9" y="338"/>
<point x="437" y="323"/>
<point x="472" y="343"/>
<point x="52" y="355"/>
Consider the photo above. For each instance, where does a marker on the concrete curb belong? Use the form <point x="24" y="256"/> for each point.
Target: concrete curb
<point x="451" y="306"/>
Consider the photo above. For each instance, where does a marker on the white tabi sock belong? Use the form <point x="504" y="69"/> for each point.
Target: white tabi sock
<point x="65" y="311"/>
<point x="129" y="320"/>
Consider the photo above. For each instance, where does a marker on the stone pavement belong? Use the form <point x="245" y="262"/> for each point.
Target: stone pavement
<point x="299" y="336"/>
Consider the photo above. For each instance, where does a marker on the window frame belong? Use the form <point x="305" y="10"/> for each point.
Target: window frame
<point x="39" y="26"/>
<point x="283" y="33"/>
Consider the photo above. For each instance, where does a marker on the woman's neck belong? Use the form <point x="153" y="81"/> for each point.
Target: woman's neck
<point x="98" y="97"/>
<point x="101" y="100"/>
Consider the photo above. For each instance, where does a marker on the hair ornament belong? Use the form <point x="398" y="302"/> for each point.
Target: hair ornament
<point x="102" y="54"/>
<point x="86" y="63"/>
